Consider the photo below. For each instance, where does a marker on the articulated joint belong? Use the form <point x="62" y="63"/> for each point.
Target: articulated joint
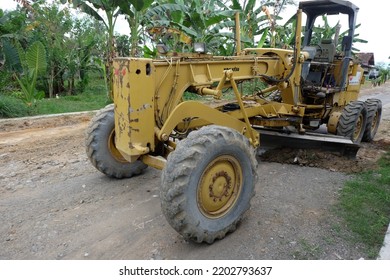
<point x="160" y="136"/>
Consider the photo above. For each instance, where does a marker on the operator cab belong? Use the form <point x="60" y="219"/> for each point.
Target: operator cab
<point x="326" y="68"/>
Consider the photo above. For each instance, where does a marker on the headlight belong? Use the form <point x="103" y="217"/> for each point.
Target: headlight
<point x="200" y="47"/>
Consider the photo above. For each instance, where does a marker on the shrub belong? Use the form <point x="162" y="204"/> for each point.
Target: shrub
<point x="11" y="107"/>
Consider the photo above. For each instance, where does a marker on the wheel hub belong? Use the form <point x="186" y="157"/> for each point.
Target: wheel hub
<point x="219" y="186"/>
<point x="375" y="121"/>
<point x="359" y="127"/>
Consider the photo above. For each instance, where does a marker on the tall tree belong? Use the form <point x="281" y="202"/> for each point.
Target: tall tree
<point x="259" y="20"/>
<point x="50" y="26"/>
<point x="110" y="10"/>
<point x="87" y="42"/>
<point x="135" y="15"/>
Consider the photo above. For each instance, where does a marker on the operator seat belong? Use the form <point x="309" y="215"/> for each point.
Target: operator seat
<point x="327" y="50"/>
<point x="311" y="50"/>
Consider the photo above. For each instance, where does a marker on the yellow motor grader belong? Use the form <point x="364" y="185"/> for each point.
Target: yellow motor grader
<point x="206" y="150"/>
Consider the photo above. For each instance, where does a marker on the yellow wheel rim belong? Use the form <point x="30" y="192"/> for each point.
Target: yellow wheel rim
<point x="113" y="150"/>
<point x="220" y="186"/>
<point x="359" y="127"/>
<point x="374" y="122"/>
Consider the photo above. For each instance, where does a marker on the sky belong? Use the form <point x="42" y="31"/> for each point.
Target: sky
<point x="372" y="15"/>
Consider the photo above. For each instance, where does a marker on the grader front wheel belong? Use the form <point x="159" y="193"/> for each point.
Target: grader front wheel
<point x="219" y="187"/>
<point x="101" y="150"/>
<point x="208" y="183"/>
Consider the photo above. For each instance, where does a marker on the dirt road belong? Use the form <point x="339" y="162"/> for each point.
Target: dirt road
<point x="55" y="205"/>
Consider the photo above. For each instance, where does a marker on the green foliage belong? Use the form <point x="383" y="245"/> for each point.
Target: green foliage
<point x="178" y="23"/>
<point x="11" y="107"/>
<point x="384" y="73"/>
<point x="34" y="64"/>
<point x="10" y="56"/>
<point x="11" y="28"/>
<point x="74" y="103"/>
<point x="324" y="30"/>
<point x="94" y="97"/>
<point x="36" y="58"/>
<point x="365" y="205"/>
<point x="123" y="45"/>
<point x="191" y="96"/>
<point x="148" y="52"/>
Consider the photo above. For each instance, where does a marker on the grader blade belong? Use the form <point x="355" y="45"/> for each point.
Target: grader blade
<point x="274" y="139"/>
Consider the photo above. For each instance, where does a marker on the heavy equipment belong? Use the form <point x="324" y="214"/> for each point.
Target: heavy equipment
<point x="206" y="150"/>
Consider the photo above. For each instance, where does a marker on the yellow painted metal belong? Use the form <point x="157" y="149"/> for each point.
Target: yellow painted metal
<point x="134" y="110"/>
<point x="299" y="59"/>
<point x="334" y="120"/>
<point x="265" y="110"/>
<point x="149" y="107"/>
<point x="359" y="128"/>
<point x="273" y="122"/>
<point x="219" y="187"/>
<point x="193" y="110"/>
<point x="355" y="80"/>
<point x="253" y="136"/>
<point x="216" y="92"/>
<point x="157" y="162"/>
<point x="375" y="121"/>
<point x="112" y="148"/>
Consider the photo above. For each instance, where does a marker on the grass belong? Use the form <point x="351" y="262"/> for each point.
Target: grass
<point x="307" y="251"/>
<point x="94" y="97"/>
<point x="365" y="206"/>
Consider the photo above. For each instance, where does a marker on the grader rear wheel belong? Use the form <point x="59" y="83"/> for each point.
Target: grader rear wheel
<point x="208" y="183"/>
<point x="101" y="150"/>
<point x="352" y="122"/>
<point x="374" y="113"/>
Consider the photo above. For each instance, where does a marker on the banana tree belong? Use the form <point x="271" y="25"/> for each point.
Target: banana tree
<point x="162" y="21"/>
<point x="134" y="12"/>
<point x="177" y="23"/>
<point x="256" y="22"/>
<point x="326" y="31"/>
<point x="355" y="39"/>
<point x="12" y="24"/>
<point x="107" y="11"/>
<point x="34" y="63"/>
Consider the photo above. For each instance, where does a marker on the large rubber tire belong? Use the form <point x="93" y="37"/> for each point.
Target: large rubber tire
<point x="352" y="122"/>
<point x="374" y="114"/>
<point x="101" y="150"/>
<point x="208" y="183"/>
